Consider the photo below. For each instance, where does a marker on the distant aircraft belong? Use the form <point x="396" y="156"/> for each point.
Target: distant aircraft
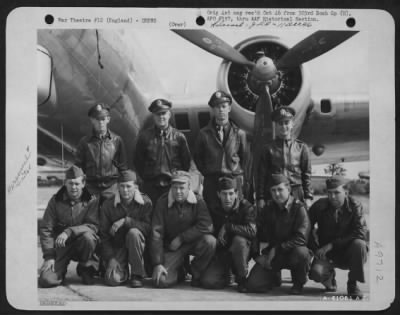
<point x="79" y="67"/>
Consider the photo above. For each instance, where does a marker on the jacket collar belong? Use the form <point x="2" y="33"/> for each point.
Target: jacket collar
<point x="191" y="198"/>
<point x="137" y="197"/>
<point x="108" y="135"/>
<point x="62" y="195"/>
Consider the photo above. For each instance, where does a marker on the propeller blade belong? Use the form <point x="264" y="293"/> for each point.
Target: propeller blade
<point x="214" y="45"/>
<point x="313" y="46"/>
<point x="262" y="131"/>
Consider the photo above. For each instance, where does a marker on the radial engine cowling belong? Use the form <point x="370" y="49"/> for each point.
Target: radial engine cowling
<point x="293" y="88"/>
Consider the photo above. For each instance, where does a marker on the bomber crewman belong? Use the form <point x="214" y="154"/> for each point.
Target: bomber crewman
<point x="285" y="225"/>
<point x="341" y="237"/>
<point x="125" y="225"/>
<point x="160" y="149"/>
<point x="68" y="231"/>
<point x="220" y="149"/>
<point x="181" y="226"/>
<point x="101" y="155"/>
<point x="235" y="227"/>
<point x="287" y="156"/>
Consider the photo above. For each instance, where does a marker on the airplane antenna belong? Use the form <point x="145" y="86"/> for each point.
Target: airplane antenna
<point x="62" y="144"/>
<point x="98" y="51"/>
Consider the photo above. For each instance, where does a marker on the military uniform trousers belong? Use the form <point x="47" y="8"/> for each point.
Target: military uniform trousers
<point x="203" y="251"/>
<point x="210" y="188"/>
<point x="103" y="193"/>
<point x="352" y="257"/>
<point x="235" y="257"/>
<point x="131" y="254"/>
<point x="154" y="189"/>
<point x="297" y="260"/>
<point x="80" y="249"/>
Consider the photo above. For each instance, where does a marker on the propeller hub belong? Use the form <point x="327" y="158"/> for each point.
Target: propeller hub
<point x="264" y="73"/>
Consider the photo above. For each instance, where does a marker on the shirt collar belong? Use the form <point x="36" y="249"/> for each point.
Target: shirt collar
<point x="107" y="135"/>
<point x="137" y="197"/>
<point x="288" y="205"/>
<point x="166" y="130"/>
<point x="191" y="198"/>
<point x="344" y="207"/>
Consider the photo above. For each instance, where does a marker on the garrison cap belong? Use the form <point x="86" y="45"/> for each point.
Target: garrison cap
<point x="74" y="172"/>
<point x="127" y="176"/>
<point x="283" y="113"/>
<point x="335" y="181"/>
<point x="277" y="179"/>
<point x="180" y="177"/>
<point x="219" y="97"/>
<point x="226" y="182"/>
<point x="160" y="105"/>
<point x="99" y="111"/>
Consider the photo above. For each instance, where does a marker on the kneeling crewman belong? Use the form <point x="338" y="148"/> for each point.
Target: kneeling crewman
<point x="181" y="226"/>
<point x="235" y="226"/>
<point x="68" y="231"/>
<point x="285" y="225"/>
<point x="125" y="225"/>
<point x="341" y="237"/>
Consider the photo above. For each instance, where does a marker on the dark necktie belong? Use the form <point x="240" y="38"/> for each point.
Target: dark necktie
<point x="220" y="132"/>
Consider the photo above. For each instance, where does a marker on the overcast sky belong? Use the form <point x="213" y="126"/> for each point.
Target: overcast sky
<point x="180" y="64"/>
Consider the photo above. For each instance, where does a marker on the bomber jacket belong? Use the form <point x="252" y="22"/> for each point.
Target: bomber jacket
<point x="241" y="220"/>
<point x="288" y="157"/>
<point x="137" y="215"/>
<point x="64" y="215"/>
<point x="157" y="154"/>
<point x="285" y="228"/>
<point x="189" y="220"/>
<point x="350" y="223"/>
<point x="101" y="159"/>
<point x="215" y="158"/>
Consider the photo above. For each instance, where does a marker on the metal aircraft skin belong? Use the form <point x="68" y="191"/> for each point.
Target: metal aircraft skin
<point x="79" y="67"/>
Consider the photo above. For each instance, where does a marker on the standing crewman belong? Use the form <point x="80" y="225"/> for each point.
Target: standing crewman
<point x="101" y="155"/>
<point x="220" y="149"/>
<point x="160" y="150"/>
<point x="125" y="226"/>
<point x="69" y="231"/>
<point x="285" y="155"/>
<point x="341" y="237"/>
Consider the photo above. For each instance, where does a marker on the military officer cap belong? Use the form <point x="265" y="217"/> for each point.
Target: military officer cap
<point x="335" y="181"/>
<point x="226" y="182"/>
<point x="180" y="177"/>
<point x="219" y="97"/>
<point x="277" y="179"/>
<point x="283" y="113"/>
<point x="127" y="176"/>
<point x="160" y="105"/>
<point x="74" y="172"/>
<point x="99" y="111"/>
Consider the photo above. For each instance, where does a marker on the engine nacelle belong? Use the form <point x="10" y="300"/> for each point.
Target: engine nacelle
<point x="46" y="90"/>
<point x="294" y="88"/>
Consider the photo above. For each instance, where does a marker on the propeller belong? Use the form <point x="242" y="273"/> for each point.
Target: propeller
<point x="214" y="45"/>
<point x="263" y="128"/>
<point x="313" y="46"/>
